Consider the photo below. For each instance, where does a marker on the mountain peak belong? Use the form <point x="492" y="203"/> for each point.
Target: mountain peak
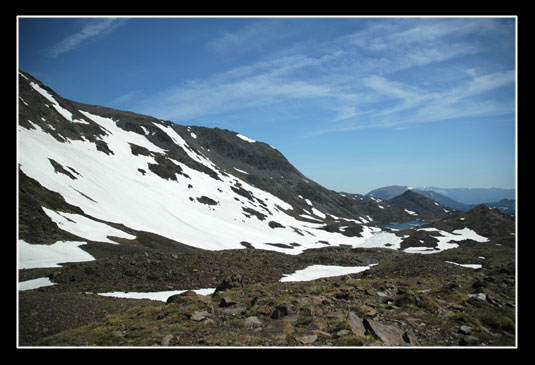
<point x="419" y="205"/>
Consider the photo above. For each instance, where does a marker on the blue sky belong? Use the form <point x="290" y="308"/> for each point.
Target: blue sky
<point x="353" y="103"/>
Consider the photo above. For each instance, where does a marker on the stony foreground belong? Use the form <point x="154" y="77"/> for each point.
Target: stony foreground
<point x="405" y="300"/>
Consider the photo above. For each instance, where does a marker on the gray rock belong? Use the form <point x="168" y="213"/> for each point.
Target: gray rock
<point x="356" y="324"/>
<point x="477" y="300"/>
<point x="390" y="335"/>
<point x="252" y="321"/>
<point x="465" y="330"/>
<point x="166" y="340"/>
<point x="343" y="332"/>
<point x="307" y="339"/>
<point x="410" y="338"/>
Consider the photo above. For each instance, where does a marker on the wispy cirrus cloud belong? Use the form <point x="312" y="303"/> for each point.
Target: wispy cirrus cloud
<point x="259" y="85"/>
<point x="399" y="105"/>
<point x="390" y="73"/>
<point x="92" y="29"/>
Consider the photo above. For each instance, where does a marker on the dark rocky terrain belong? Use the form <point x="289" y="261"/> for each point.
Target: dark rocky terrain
<point x="405" y="300"/>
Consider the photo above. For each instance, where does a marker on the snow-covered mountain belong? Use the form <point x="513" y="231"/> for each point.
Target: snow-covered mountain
<point x="99" y="174"/>
<point x="91" y="174"/>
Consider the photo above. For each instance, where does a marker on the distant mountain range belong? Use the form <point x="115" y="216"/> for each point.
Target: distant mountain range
<point x="462" y="199"/>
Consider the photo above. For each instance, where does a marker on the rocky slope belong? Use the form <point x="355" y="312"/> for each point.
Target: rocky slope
<point x="407" y="300"/>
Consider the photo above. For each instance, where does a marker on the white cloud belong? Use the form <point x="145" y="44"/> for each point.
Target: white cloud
<point x="203" y="98"/>
<point x="351" y="81"/>
<point x="90" y="30"/>
<point x="390" y="88"/>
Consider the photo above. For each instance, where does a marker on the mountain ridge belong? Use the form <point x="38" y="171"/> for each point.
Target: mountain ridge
<point x="506" y="205"/>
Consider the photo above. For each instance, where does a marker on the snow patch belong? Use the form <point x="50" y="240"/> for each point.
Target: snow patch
<point x="318" y="213"/>
<point x="34" y="284"/>
<point x="383" y="240"/>
<point x="322" y="271"/>
<point x="470" y="266"/>
<point x="247" y="139"/>
<point x="158" y="296"/>
<point x="85" y="227"/>
<point x="32" y="256"/>
<point x="243" y="172"/>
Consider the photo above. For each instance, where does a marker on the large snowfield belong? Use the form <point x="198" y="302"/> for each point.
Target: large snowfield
<point x="111" y="188"/>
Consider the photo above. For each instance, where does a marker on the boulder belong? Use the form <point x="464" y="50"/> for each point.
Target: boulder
<point x="166" y="340"/>
<point x="465" y="330"/>
<point x="281" y="310"/>
<point x="187" y="297"/>
<point x="356" y="324"/>
<point x="252" y="321"/>
<point x="226" y="302"/>
<point x="390" y="335"/>
<point x="307" y="339"/>
<point x="410" y="338"/>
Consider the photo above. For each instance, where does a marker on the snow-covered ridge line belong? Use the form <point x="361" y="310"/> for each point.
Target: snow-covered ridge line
<point x="64" y="112"/>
